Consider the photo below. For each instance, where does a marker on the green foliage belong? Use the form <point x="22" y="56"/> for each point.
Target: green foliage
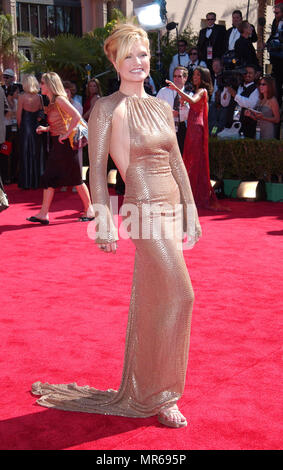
<point x="68" y="54"/>
<point x="6" y="36"/>
<point x="245" y="157"/>
<point x="7" y="41"/>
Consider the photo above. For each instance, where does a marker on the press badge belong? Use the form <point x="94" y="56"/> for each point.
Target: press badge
<point x="209" y="52"/>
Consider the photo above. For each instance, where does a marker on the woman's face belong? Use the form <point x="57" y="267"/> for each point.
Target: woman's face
<point x="196" y="78"/>
<point x="194" y="55"/>
<point x="135" y="67"/>
<point x="92" y="88"/>
<point x="262" y="86"/>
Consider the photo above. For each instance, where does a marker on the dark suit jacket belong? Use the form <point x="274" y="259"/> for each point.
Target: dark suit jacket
<point x="229" y="31"/>
<point x="216" y="40"/>
<point x="245" y="52"/>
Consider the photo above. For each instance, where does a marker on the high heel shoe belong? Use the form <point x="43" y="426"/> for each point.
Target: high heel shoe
<point x="36" y="219"/>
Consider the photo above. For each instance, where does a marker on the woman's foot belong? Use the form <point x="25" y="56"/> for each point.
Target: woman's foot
<point x="38" y="220"/>
<point x="172" y="417"/>
<point x="87" y="215"/>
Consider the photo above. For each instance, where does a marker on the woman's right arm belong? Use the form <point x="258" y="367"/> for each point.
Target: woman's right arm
<point x="189" y="98"/>
<point x="99" y="134"/>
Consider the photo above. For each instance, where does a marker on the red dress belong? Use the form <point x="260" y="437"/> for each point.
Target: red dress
<point x="195" y="153"/>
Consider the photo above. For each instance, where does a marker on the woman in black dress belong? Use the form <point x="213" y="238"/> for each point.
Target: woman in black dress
<point x="63" y="167"/>
<point x="32" y="159"/>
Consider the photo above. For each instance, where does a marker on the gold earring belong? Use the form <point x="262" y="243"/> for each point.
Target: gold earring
<point x="118" y="76"/>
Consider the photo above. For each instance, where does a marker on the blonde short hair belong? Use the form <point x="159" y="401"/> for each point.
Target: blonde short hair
<point x="30" y="84"/>
<point x="121" y="40"/>
<point x="54" y="84"/>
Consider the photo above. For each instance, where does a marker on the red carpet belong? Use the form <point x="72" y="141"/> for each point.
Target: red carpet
<point x="63" y="317"/>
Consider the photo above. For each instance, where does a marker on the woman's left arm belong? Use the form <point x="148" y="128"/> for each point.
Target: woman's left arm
<point x="68" y="109"/>
<point x="276" y="112"/>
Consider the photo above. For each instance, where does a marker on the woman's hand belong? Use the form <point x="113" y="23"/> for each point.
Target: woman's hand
<point x="62" y="137"/>
<point x="247" y="113"/>
<point x="41" y="129"/>
<point x="171" y="85"/>
<point x="255" y="116"/>
<point x="258" y="116"/>
<point x="108" y="247"/>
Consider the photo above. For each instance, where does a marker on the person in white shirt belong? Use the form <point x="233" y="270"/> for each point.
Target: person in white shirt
<point x="194" y="62"/>
<point x="246" y="96"/>
<point x="233" y="33"/>
<point x="180" y="110"/>
<point x="182" y="58"/>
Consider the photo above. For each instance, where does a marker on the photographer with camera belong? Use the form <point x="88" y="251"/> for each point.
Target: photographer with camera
<point x="275" y="48"/>
<point x="245" y="97"/>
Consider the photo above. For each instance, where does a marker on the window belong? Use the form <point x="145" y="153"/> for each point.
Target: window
<point x="48" y="20"/>
<point x="34" y="26"/>
<point x="24" y="17"/>
<point x="60" y="20"/>
<point x="43" y="21"/>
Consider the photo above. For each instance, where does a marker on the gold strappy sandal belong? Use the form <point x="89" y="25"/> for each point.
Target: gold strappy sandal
<point x="164" y="417"/>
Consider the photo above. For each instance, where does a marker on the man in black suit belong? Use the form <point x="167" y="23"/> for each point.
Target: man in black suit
<point x="233" y="33"/>
<point x="211" y="41"/>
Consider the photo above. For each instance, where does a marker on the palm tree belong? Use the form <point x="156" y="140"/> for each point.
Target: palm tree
<point x="68" y="55"/>
<point x="8" y="50"/>
<point x="65" y="54"/>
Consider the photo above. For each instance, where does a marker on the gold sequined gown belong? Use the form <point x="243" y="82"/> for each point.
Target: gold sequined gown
<point x="158" y="331"/>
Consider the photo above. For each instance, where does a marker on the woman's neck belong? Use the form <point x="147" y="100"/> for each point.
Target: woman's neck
<point x="264" y="98"/>
<point x="133" y="88"/>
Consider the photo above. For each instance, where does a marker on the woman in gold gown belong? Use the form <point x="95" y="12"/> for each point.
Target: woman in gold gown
<point x="138" y="131"/>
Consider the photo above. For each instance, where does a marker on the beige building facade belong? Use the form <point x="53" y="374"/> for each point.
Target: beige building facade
<point x="184" y="12"/>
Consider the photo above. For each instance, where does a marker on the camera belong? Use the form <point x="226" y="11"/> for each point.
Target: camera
<point x="232" y="75"/>
<point x="275" y="46"/>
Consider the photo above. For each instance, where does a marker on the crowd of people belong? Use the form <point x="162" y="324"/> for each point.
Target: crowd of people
<point x="237" y="92"/>
<point x="236" y="74"/>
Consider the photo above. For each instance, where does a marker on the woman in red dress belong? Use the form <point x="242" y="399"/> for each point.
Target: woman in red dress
<point x="93" y="93"/>
<point x="195" y="155"/>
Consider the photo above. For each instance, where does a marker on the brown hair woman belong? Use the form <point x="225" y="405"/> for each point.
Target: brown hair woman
<point x="268" y="112"/>
<point x="195" y="155"/>
<point x="93" y="93"/>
